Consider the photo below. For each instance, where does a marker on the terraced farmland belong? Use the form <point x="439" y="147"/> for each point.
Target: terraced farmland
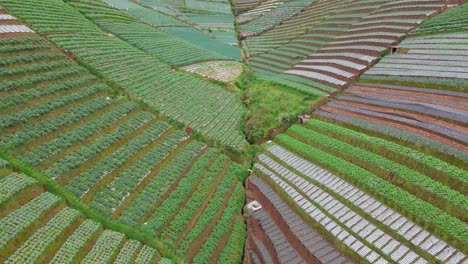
<point x="35" y="221"/>
<point x="341" y="45"/>
<point x="220" y="123"/>
<point x="136" y="132"/>
<point x="354" y="173"/>
<point x="127" y="164"/>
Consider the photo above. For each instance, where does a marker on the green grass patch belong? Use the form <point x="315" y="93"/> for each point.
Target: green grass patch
<point x="272" y="108"/>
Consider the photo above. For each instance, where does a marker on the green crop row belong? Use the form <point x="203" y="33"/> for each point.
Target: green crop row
<point x="235" y="244"/>
<point x="204" y="172"/>
<point x="105" y="248"/>
<point x="161" y="182"/>
<point x="43" y="90"/>
<point x="40" y="153"/>
<point x="76" y="158"/>
<point x="80" y="184"/>
<point x="37" y="244"/>
<point x="35" y="130"/>
<point x="376" y="142"/>
<point x="127" y="251"/>
<point x="146" y="255"/>
<point x="72" y="247"/>
<point x="8" y="120"/>
<point x="17" y="221"/>
<point x="186" y="212"/>
<point x="416" y="209"/>
<point x="223" y="226"/>
<point x="214" y="205"/>
<point x="452" y="20"/>
<point x="125" y="183"/>
<point x="64" y="17"/>
<point x="439" y="190"/>
<point x="12" y="184"/>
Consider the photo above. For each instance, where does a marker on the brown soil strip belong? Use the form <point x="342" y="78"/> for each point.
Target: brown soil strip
<point x="412" y="90"/>
<point x="141" y="186"/>
<point x="407" y="96"/>
<point x="422" y="118"/>
<point x="63" y="153"/>
<point x="21" y="199"/>
<point x="200" y="240"/>
<point x="64" y="179"/>
<point x="158" y="203"/>
<point x="194" y="219"/>
<point x="109" y="177"/>
<point x="269" y="208"/>
<point x="57" y="243"/>
<point x="396" y="125"/>
<point x="14" y="244"/>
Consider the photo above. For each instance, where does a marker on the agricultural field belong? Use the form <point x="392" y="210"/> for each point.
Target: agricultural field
<point x="124" y="165"/>
<point x="35" y="221"/>
<point x="344" y="41"/>
<point x="233" y="131"/>
<point x="268" y="18"/>
<point x="221" y="114"/>
<point x="379" y="171"/>
<point x="181" y="28"/>
<point x="224" y="71"/>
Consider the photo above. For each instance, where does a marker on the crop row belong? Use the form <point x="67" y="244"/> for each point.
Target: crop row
<point x="310" y="239"/>
<point x="12" y="184"/>
<point x="24" y="58"/>
<point x="105" y="247"/>
<point x="160" y="183"/>
<point x="184" y="189"/>
<point x="146" y="255"/>
<point x="176" y="28"/>
<point x="198" y="196"/>
<point x="411" y="176"/>
<point x="53" y="104"/>
<point x="40" y="153"/>
<point x="17" y="221"/>
<point x="155" y="42"/>
<point x="208" y="214"/>
<point x="127" y="251"/>
<point x="98" y="49"/>
<point x="86" y="152"/>
<point x="148" y="39"/>
<point x="375" y="142"/>
<point x="282" y="248"/>
<point x="37" y="244"/>
<point x="393" y="223"/>
<point x="414" y="208"/>
<point x="125" y="183"/>
<point x="453" y="19"/>
<point x="145" y="14"/>
<point x="30" y="80"/>
<point x="39" y="91"/>
<point x="80" y="184"/>
<point x="223" y="226"/>
<point x="75" y="243"/>
<point x="35" y="130"/>
<point x="172" y="89"/>
<point x="65" y="18"/>
<point x="395" y="132"/>
<point x="341" y="222"/>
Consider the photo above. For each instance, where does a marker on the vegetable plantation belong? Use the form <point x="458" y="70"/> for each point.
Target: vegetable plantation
<point x="121" y="161"/>
<point x="219" y="131"/>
